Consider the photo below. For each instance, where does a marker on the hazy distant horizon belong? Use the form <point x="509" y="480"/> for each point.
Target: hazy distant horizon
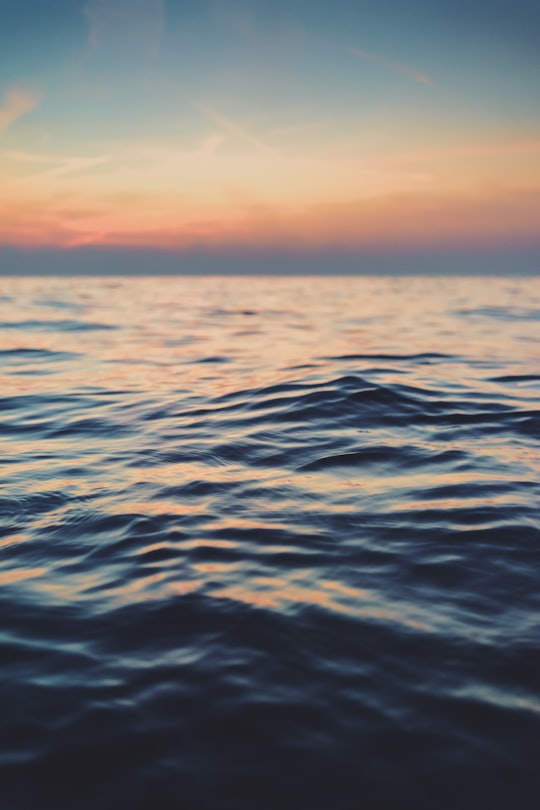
<point x="138" y="262"/>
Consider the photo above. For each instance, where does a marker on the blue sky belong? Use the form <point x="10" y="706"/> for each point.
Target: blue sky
<point x="240" y="126"/>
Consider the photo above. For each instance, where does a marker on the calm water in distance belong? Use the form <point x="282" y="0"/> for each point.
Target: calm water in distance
<point x="269" y="543"/>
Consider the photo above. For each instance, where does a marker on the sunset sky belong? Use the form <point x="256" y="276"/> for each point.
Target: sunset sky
<point x="230" y="126"/>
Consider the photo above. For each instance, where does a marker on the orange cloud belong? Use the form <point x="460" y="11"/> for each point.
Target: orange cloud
<point x="230" y="189"/>
<point x="399" y="221"/>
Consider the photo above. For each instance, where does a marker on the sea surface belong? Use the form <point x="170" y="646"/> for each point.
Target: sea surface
<point x="269" y="543"/>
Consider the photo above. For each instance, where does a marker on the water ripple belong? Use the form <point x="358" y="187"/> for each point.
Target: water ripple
<point x="269" y="545"/>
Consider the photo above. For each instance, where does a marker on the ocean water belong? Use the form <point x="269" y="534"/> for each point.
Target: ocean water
<point x="269" y="543"/>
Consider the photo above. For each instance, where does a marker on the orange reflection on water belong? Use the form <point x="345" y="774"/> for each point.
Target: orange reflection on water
<point x="239" y="593"/>
<point x="216" y="568"/>
<point x="382" y="484"/>
<point x="238" y="523"/>
<point x="346" y="590"/>
<point x="13" y="540"/>
<point x="143" y="587"/>
<point x="450" y="504"/>
<point x="287" y="594"/>
<point x="20" y="574"/>
<point x="213" y="470"/>
<point x="209" y="543"/>
<point x="139" y="584"/>
<point x="181" y="588"/>
<point x="162" y="507"/>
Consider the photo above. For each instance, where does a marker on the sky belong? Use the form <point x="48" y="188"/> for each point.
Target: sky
<point x="349" y="130"/>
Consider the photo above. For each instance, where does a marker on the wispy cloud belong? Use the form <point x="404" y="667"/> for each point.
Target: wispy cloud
<point x="211" y="144"/>
<point x="230" y="126"/>
<point x="17" y="103"/>
<point x="390" y="64"/>
<point x="135" y="25"/>
<point x="62" y="165"/>
<point x="467" y="151"/>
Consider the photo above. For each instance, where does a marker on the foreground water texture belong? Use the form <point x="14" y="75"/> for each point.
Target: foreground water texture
<point x="269" y="543"/>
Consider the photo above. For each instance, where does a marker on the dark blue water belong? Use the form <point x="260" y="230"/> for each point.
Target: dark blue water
<point x="269" y="543"/>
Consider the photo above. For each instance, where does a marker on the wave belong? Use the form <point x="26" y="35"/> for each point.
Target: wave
<point x="294" y="568"/>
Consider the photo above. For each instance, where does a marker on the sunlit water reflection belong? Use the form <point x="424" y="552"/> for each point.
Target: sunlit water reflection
<point x="269" y="543"/>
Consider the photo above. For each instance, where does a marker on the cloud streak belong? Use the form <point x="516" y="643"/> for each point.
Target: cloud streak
<point x="133" y="26"/>
<point x="389" y="64"/>
<point x="231" y="127"/>
<point x="468" y="151"/>
<point x="62" y="165"/>
<point x="17" y="103"/>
